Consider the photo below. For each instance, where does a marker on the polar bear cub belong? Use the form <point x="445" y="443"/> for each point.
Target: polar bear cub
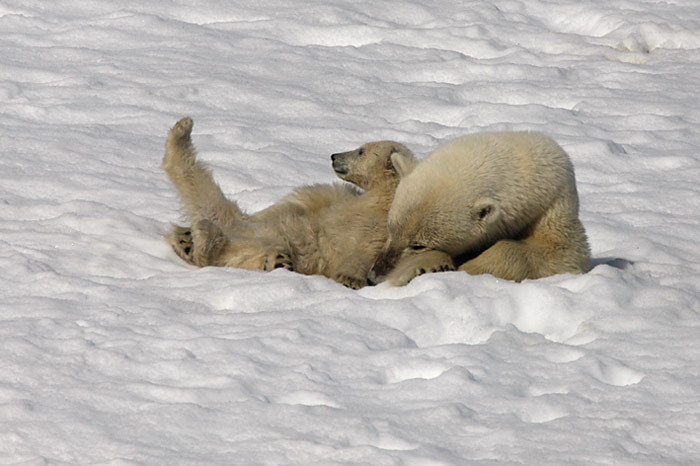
<point x="332" y="230"/>
<point x="505" y="204"/>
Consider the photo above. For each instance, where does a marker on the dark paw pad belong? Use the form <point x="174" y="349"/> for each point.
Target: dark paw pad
<point x="281" y="260"/>
<point x="182" y="244"/>
<point x="284" y="261"/>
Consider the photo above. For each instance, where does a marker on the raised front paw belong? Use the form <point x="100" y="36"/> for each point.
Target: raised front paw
<point x="351" y="282"/>
<point x="179" y="152"/>
<point x="181" y="130"/>
<point x="182" y="243"/>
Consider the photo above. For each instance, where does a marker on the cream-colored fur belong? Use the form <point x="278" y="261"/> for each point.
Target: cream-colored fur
<point x="332" y="230"/>
<point x="499" y="203"/>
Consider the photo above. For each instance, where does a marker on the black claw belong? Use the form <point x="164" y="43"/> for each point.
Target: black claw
<point x="421" y="271"/>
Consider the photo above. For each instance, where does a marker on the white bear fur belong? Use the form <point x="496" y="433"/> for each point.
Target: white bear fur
<point x="332" y="230"/>
<point x="499" y="203"/>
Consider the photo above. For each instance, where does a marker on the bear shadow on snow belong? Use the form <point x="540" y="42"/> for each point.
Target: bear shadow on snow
<point x="615" y="262"/>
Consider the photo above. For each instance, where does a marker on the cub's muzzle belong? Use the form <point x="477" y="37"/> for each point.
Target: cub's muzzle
<point x="338" y="162"/>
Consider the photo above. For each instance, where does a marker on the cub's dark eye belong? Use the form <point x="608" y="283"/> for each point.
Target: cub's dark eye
<point x="484" y="212"/>
<point x="417" y="247"/>
<point x="362" y="152"/>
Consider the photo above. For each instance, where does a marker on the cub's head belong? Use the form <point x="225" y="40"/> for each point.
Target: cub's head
<point x="370" y="166"/>
<point x="434" y="210"/>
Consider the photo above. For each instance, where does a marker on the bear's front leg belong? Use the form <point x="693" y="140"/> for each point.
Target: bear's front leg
<point x="421" y="263"/>
<point x="179" y="151"/>
<point x="201" y="196"/>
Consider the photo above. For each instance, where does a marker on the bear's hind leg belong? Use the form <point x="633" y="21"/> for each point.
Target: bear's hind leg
<point x="507" y="259"/>
<point x="213" y="247"/>
<point x="201" y="245"/>
<point x="255" y="253"/>
<point x="518" y="260"/>
<point x="210" y="244"/>
<point x="556" y="243"/>
<point x="205" y="244"/>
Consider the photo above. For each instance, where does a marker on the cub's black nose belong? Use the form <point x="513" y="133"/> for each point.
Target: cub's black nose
<point x="333" y="157"/>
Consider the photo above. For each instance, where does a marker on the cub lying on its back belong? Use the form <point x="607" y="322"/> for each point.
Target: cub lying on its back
<point x="331" y="230"/>
<point x="499" y="203"/>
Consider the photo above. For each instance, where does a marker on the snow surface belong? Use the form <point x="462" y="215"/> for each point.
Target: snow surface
<point x="115" y="352"/>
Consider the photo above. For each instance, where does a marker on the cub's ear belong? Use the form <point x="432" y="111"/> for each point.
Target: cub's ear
<point x="403" y="163"/>
<point x="486" y="211"/>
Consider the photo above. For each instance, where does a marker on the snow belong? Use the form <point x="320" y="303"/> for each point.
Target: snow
<point x="115" y="352"/>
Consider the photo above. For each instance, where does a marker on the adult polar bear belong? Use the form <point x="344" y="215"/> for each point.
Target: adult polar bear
<point x="499" y="203"/>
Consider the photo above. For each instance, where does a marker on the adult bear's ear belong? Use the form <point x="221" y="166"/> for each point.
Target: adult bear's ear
<point x="485" y="211"/>
<point x="403" y="163"/>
